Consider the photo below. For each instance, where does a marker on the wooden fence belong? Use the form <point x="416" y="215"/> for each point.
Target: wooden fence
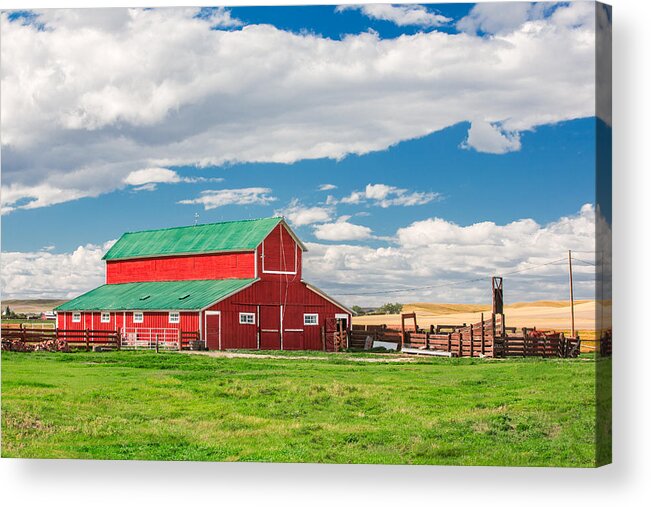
<point x="488" y="338"/>
<point x="88" y="338"/>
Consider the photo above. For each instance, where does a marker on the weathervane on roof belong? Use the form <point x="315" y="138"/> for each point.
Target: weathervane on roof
<point x="196" y="218"/>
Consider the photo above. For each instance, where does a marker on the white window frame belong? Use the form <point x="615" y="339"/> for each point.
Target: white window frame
<point x="138" y="317"/>
<point x="76" y="317"/>
<point x="305" y="317"/>
<point x="174" y="317"/>
<point x="246" y="316"/>
<point x="105" y="317"/>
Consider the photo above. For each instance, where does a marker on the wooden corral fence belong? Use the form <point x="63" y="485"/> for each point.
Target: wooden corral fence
<point x="488" y="338"/>
<point x="334" y="336"/>
<point x="89" y="338"/>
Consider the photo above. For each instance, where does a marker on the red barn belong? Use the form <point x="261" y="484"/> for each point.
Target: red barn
<point x="238" y="284"/>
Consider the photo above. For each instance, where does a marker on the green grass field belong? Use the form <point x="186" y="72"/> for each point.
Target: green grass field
<point x="139" y="405"/>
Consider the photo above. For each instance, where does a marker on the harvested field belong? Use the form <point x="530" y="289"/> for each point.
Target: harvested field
<point x="32" y="305"/>
<point x="539" y="314"/>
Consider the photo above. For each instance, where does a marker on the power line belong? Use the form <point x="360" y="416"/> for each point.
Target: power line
<point x="448" y="284"/>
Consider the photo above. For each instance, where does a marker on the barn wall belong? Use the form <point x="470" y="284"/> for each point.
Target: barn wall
<point x="119" y="320"/>
<point x="294" y="297"/>
<point x="189" y="267"/>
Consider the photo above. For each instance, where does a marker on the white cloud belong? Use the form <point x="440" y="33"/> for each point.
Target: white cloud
<point x="151" y="175"/>
<point x="426" y="252"/>
<point x="384" y="196"/>
<point x="211" y="199"/>
<point x="146" y="179"/>
<point x="84" y="108"/>
<point x="342" y="230"/>
<point x="487" y="138"/>
<point x="299" y="215"/>
<point x="50" y="275"/>
<point x="327" y="186"/>
<point x="401" y="15"/>
<point x="437" y="252"/>
<point x="497" y="17"/>
<point x="506" y="17"/>
<point x="219" y="17"/>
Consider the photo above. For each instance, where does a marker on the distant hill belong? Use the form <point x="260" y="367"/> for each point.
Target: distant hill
<point x="31" y="305"/>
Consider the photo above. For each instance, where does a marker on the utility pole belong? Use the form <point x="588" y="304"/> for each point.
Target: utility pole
<point x="569" y="258"/>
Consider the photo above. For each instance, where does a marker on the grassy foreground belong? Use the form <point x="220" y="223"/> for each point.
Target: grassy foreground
<point x="139" y="405"/>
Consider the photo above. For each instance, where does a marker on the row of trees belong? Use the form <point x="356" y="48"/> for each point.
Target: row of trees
<point x="391" y="308"/>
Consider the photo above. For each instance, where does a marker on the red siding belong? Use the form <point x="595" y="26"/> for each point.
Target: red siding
<point x="279" y="253"/>
<point x="92" y="320"/>
<point x="194" y="267"/>
<point x="265" y="298"/>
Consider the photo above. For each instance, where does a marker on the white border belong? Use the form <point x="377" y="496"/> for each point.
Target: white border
<point x="252" y="314"/>
<point x="310" y="323"/>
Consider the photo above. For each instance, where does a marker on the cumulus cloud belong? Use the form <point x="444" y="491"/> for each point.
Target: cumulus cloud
<point x="211" y="199"/>
<point x="401" y="15"/>
<point x="501" y="18"/>
<point x="327" y="186"/>
<point x="52" y="275"/>
<point x="487" y="138"/>
<point x="342" y="230"/>
<point x="438" y="252"/>
<point x="384" y="196"/>
<point x="152" y="175"/>
<point x="432" y="252"/>
<point x="82" y="108"/>
<point x="299" y="215"/>
<point x="146" y="179"/>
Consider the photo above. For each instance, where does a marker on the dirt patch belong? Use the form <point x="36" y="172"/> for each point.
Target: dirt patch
<point x="381" y="359"/>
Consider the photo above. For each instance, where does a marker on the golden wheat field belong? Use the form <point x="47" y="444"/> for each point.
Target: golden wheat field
<point x="539" y="314"/>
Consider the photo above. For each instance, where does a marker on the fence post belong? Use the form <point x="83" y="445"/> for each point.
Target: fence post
<point x="472" y="338"/>
<point x="483" y="336"/>
<point x="180" y="339"/>
<point x="118" y="339"/>
<point x="524" y="342"/>
<point x="460" y="343"/>
<point x="156" y="343"/>
<point x="449" y="342"/>
<point x="323" y="338"/>
<point x="86" y="339"/>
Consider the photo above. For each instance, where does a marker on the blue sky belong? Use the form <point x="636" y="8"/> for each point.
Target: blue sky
<point x="439" y="129"/>
<point x="551" y="176"/>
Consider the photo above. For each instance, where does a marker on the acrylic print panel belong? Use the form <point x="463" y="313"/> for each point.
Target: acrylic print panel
<point x="335" y="234"/>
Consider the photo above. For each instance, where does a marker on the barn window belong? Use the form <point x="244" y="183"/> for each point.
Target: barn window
<point x="311" y="319"/>
<point x="76" y="317"/>
<point x="175" y="318"/>
<point x="247" y="318"/>
<point x="105" y="317"/>
<point x="138" y="318"/>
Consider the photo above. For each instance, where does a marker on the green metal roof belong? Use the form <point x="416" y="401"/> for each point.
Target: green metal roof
<point x="185" y="295"/>
<point x="218" y="237"/>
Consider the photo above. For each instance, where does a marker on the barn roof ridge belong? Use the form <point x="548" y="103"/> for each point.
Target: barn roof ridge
<point x="226" y="236"/>
<point x="277" y="218"/>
